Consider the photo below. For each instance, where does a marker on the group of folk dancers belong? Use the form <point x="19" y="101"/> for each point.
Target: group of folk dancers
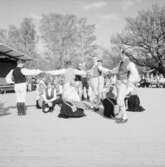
<point x="127" y="77"/>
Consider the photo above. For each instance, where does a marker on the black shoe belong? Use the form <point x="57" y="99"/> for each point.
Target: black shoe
<point x="51" y="110"/>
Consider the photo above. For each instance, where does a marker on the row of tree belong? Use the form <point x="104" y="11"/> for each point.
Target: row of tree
<point x="67" y="37"/>
<point x="62" y="37"/>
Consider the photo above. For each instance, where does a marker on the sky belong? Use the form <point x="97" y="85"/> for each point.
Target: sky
<point x="108" y="15"/>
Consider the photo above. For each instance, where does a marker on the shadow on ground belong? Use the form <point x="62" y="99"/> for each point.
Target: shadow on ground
<point x="14" y="107"/>
<point x="4" y="110"/>
<point x="87" y="106"/>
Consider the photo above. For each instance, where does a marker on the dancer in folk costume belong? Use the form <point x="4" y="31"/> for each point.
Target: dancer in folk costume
<point x="127" y="78"/>
<point x="84" y="83"/>
<point x="18" y="75"/>
<point x="49" y="97"/>
<point x="41" y="86"/>
<point x="69" y="91"/>
<point x="97" y="81"/>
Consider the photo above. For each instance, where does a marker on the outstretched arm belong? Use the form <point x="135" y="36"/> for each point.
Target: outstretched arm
<point x="103" y="69"/>
<point x="114" y="70"/>
<point x="57" y="72"/>
<point x="26" y="71"/>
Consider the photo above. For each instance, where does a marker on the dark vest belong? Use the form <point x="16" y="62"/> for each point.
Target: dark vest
<point x="18" y="76"/>
<point x="51" y="94"/>
<point x="78" y="78"/>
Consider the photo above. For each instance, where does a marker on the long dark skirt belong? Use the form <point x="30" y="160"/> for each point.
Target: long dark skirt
<point x="109" y="105"/>
<point x="67" y="111"/>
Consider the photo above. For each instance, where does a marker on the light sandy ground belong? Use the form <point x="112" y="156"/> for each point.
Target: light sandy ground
<point x="43" y="140"/>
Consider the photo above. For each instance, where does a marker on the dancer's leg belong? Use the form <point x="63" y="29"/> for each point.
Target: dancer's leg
<point x="20" y="90"/>
<point x="122" y="91"/>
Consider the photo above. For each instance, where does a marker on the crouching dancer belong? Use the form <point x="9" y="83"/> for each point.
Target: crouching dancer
<point x="18" y="77"/>
<point x="49" y="97"/>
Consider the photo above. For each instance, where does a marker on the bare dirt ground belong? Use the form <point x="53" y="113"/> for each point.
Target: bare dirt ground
<point x="44" y="140"/>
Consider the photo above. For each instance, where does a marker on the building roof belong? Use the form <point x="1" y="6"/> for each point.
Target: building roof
<point x="9" y="52"/>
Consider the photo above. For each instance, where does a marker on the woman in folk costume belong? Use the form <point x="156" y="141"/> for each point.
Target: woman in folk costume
<point x="19" y="78"/>
<point x="97" y="80"/>
<point x="69" y="91"/>
<point x="127" y="78"/>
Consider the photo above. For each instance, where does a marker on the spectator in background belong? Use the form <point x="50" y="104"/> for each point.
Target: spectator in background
<point x="161" y="81"/>
<point x="41" y="86"/>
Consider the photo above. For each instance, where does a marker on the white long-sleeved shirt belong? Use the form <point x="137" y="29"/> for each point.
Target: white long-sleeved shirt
<point x="69" y="73"/>
<point x="27" y="72"/>
<point x="24" y="71"/>
<point x="134" y="74"/>
<point x="9" y="77"/>
<point x="103" y="69"/>
<point x="63" y="71"/>
<point x="96" y="69"/>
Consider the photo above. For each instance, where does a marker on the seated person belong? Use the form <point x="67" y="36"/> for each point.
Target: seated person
<point x="132" y="102"/>
<point x="143" y="82"/>
<point x="49" y="98"/>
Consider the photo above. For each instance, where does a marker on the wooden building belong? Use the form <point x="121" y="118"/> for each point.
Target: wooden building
<point x="8" y="61"/>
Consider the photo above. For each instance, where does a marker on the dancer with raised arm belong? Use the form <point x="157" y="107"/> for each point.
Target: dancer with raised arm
<point x="127" y="77"/>
<point x="19" y="79"/>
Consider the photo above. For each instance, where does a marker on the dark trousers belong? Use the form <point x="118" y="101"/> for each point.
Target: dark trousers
<point x="21" y="108"/>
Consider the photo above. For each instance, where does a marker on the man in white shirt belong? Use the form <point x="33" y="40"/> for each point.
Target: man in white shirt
<point x="19" y="79"/>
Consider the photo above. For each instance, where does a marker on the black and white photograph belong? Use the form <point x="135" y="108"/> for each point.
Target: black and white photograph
<point x="82" y="83"/>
